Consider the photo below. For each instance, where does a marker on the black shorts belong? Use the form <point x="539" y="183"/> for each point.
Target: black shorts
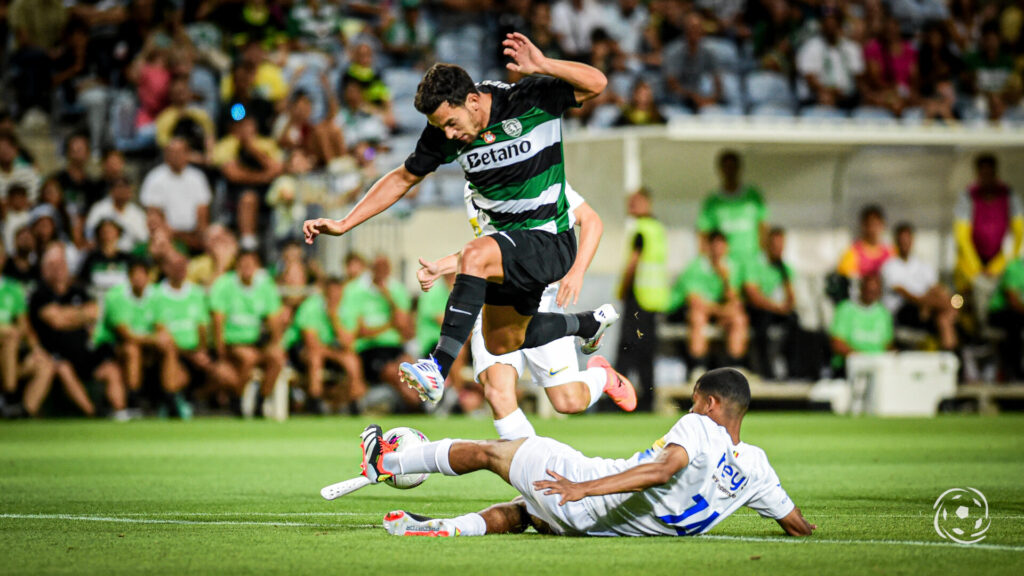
<point x="530" y="260"/>
<point x="376" y="359"/>
<point x="909" y="315"/>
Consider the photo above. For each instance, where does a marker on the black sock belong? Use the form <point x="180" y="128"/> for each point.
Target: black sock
<point x="11" y="398"/>
<point x="547" y="327"/>
<point x="588" y="325"/>
<point x="464" y="304"/>
<point x="133" y="399"/>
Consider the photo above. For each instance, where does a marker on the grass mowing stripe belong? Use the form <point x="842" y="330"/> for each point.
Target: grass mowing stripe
<point x="125" y="520"/>
<point x="813" y="540"/>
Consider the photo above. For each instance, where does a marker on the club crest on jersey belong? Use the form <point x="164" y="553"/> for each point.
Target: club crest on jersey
<point x="512" y="127"/>
<point x="489" y="137"/>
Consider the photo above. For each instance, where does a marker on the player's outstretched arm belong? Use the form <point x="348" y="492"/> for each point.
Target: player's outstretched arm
<point x="528" y="59"/>
<point x="671" y="460"/>
<point x="795" y="524"/>
<point x="385" y="192"/>
<point x="591" y="229"/>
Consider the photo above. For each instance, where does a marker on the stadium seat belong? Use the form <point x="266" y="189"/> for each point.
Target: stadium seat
<point x="727" y="56"/>
<point x="771" y="111"/>
<point x="670" y="111"/>
<point x="719" y="112"/>
<point x="872" y="115"/>
<point x="401" y="82"/>
<point x="822" y="113"/>
<point x="604" y="116"/>
<point x="732" y="92"/>
<point x="769" y="88"/>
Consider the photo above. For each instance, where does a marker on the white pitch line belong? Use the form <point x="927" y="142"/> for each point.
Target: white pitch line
<point x="232" y="514"/>
<point x="813" y="540"/>
<point x="125" y="520"/>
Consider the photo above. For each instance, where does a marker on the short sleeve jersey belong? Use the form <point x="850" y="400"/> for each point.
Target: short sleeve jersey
<point x="121" y="308"/>
<point x="863" y="328"/>
<point x="1011" y="281"/>
<point x="244" y="307"/>
<point x="364" y="303"/>
<point x="312" y="315"/>
<point x="770" y="279"/>
<point x="182" y="313"/>
<point x="12" y="301"/>
<point x="701" y="279"/>
<point x="430" y="307"/>
<point x="515" y="166"/>
<point x="720" y="478"/>
<point x="739" y="217"/>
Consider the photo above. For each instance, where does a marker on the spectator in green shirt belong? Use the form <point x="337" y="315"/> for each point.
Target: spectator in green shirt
<point x="376" y="310"/>
<point x="127" y="328"/>
<point x="318" y="337"/>
<point x="709" y="290"/>
<point x="182" y="312"/>
<point x="1006" y="311"/>
<point x="736" y="209"/>
<point x="768" y="288"/>
<point x="14" y="331"/>
<point x="247" y="327"/>
<point x="864" y="325"/>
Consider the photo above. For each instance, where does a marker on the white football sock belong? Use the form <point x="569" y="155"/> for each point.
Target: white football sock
<point x="514" y="426"/>
<point x="470" y="524"/>
<point x="595" y="379"/>
<point x="430" y="458"/>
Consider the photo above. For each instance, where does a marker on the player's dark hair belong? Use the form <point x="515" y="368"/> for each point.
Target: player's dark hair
<point x="443" y="83"/>
<point x="352" y="256"/>
<point x="716" y="235"/>
<point x="903" y="227"/>
<point x="776" y="231"/>
<point x="248" y="252"/>
<point x="728" y="385"/>
<point x="138" y="262"/>
<point x="727" y="155"/>
<point x="985" y="159"/>
<point x="871" y="211"/>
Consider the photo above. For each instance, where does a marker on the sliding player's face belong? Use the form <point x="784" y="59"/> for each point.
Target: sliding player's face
<point x="457" y="122"/>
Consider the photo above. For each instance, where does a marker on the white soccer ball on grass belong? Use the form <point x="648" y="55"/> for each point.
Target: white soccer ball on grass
<point x="407" y="438"/>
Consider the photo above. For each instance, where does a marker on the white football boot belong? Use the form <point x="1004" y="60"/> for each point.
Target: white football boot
<point x="605" y="316"/>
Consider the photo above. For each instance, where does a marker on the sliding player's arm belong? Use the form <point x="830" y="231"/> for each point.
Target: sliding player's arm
<point x="795" y="524"/>
<point x="669" y="461"/>
<point x="591" y="229"/>
<point x="587" y="81"/>
<point x="385" y="192"/>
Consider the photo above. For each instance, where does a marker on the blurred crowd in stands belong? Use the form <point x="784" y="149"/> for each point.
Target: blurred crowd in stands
<point x="152" y="257"/>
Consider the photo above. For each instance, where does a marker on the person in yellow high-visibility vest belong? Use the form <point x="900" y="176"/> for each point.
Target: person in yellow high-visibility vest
<point x="645" y="293"/>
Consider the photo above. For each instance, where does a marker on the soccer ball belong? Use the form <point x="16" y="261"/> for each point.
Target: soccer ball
<point x="961" y="515"/>
<point x="964" y="517"/>
<point x="406" y="438"/>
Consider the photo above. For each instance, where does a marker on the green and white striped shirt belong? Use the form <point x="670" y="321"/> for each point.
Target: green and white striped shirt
<point x="515" y="167"/>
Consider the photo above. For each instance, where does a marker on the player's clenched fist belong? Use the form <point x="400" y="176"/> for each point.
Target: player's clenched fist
<point x="313" y="228"/>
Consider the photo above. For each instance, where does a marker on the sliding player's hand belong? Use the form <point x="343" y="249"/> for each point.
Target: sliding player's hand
<point x="569" y="289"/>
<point x="313" y="228"/>
<point x="526" y="58"/>
<point x="428" y="273"/>
<point x="570" y="491"/>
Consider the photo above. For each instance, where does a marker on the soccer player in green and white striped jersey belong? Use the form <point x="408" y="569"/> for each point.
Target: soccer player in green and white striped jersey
<point x="508" y="140"/>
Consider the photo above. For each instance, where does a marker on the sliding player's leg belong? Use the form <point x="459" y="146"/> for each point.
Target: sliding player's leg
<point x="447" y="456"/>
<point x="505" y="518"/>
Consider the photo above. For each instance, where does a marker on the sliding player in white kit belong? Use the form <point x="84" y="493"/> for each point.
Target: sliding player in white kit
<point x="688" y="482"/>
<point x="552" y="366"/>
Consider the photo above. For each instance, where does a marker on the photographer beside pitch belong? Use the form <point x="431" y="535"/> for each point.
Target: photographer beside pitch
<point x="507" y="138"/>
<point x="685" y="484"/>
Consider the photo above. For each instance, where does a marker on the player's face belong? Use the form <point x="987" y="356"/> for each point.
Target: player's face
<point x="456" y="121"/>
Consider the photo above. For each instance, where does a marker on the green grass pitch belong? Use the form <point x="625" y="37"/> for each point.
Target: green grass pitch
<point x="227" y="496"/>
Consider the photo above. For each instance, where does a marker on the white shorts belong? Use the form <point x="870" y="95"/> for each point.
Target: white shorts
<point x="532" y="461"/>
<point x="552" y="364"/>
